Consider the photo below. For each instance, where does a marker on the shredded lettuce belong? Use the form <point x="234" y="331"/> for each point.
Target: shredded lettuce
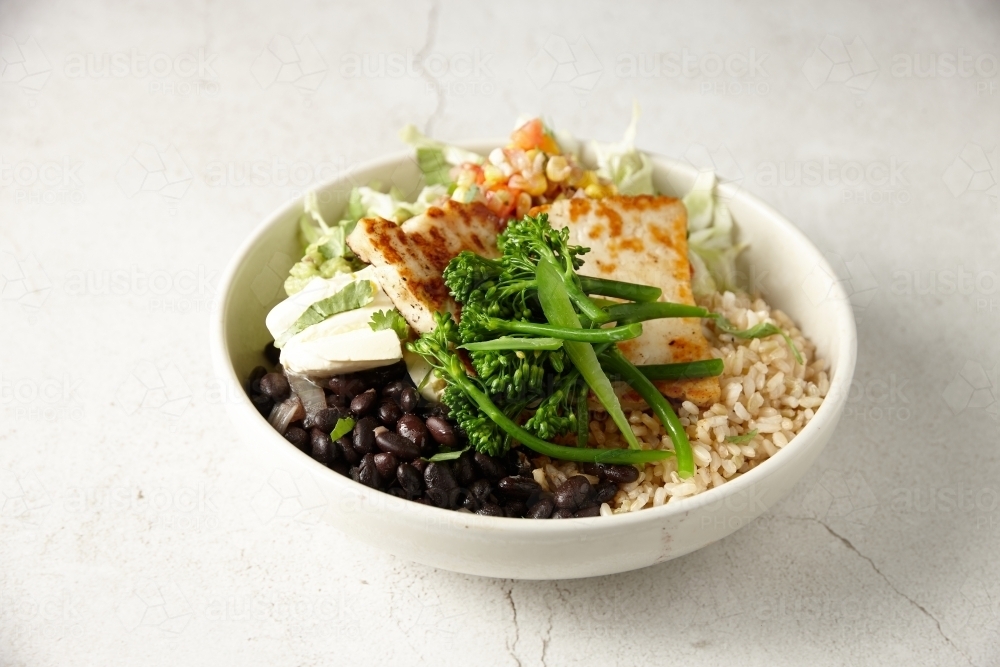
<point x="326" y="252"/>
<point x="628" y="168"/>
<point x="356" y="294"/>
<point x="436" y="158"/>
<point x="392" y="205"/>
<point x="712" y="249"/>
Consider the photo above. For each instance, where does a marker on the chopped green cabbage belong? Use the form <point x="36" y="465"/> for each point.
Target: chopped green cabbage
<point x="712" y="249"/>
<point x="628" y="168"/>
<point x="435" y="158"/>
<point x="326" y="250"/>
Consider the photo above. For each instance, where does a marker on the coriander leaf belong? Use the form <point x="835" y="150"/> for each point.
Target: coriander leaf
<point x="343" y="427"/>
<point x="447" y="456"/>
<point x="355" y="294"/>
<point x="762" y="330"/>
<point x="390" y="319"/>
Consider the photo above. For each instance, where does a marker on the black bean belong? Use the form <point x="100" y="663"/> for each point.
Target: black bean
<point x="337" y="402"/>
<point x="393" y="389"/>
<point x="398" y="445"/>
<point x="420" y="465"/>
<point x="517" y="488"/>
<point x="410" y="479"/>
<point x="573" y="493"/>
<point x="489" y="467"/>
<point x="481" y="489"/>
<point x="362" y="404"/>
<point x="562" y="514"/>
<point x="386" y="464"/>
<point x="253" y="382"/>
<point x="515" y="508"/>
<point x="298" y="437"/>
<point x="272" y="354"/>
<point x="323" y="449"/>
<point x="590" y="469"/>
<point x="398" y="492"/>
<point x="262" y="403"/>
<point x="423" y="500"/>
<point x="490" y="509"/>
<point x="345" y="385"/>
<point x="364" y="436"/>
<point x="408" y="399"/>
<point x="412" y="428"/>
<point x="518" y="464"/>
<point x="389" y="413"/>
<point x="619" y="474"/>
<point x="326" y="419"/>
<point x="542" y="509"/>
<point x="465" y="471"/>
<point x="347" y="452"/>
<point x="592" y="510"/>
<point x="463" y="498"/>
<point x="438" y="496"/>
<point x="604" y="492"/>
<point x="441" y="431"/>
<point x="275" y="386"/>
<point x="438" y="475"/>
<point x="368" y="472"/>
<point x="339" y="467"/>
<point x="353" y="473"/>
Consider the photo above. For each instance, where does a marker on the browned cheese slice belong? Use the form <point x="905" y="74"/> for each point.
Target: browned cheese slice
<point x="644" y="240"/>
<point x="410" y="258"/>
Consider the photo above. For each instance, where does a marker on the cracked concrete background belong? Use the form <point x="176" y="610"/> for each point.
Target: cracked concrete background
<point x="139" y="144"/>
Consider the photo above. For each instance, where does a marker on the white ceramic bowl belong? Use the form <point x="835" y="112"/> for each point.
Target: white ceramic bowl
<point x="783" y="264"/>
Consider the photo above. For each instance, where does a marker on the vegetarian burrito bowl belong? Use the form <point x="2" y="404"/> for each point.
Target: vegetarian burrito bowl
<point x="532" y="336"/>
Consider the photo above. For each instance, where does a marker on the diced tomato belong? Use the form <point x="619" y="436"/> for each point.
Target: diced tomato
<point x="533" y="135"/>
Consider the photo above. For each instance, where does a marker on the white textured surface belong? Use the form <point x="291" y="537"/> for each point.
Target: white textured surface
<point x="134" y="530"/>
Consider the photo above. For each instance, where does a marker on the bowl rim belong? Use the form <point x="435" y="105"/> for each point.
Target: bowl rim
<point x="826" y="415"/>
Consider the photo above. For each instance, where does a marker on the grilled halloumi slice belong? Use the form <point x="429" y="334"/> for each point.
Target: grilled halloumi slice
<point x="410" y="258"/>
<point x="644" y="240"/>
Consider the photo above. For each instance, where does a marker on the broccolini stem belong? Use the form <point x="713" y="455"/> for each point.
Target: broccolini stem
<point x="612" y="334"/>
<point x="512" y="343"/>
<point x="619" y="289"/>
<point x="617" y="362"/>
<point x="683" y="371"/>
<point x="559" y="311"/>
<point x="638" y="312"/>
<point x="533" y="442"/>
<point x="582" y="418"/>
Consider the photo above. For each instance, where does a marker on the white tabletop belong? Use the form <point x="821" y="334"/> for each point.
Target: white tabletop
<point x="141" y="145"/>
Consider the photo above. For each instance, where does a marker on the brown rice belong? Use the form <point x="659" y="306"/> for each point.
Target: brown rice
<point x="763" y="389"/>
